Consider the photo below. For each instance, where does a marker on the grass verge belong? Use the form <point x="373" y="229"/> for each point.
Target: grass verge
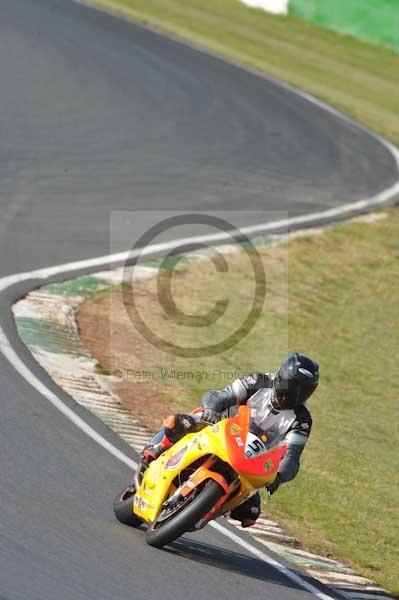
<point x="356" y="77"/>
<point x="342" y="309"/>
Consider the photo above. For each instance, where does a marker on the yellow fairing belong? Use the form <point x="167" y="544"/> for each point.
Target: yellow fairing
<point x="157" y="484"/>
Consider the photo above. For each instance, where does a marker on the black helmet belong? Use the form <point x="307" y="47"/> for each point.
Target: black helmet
<point x="295" y="381"/>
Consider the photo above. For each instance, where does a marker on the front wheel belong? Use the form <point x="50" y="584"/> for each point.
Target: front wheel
<point x="164" y="532"/>
<point x="123" y="508"/>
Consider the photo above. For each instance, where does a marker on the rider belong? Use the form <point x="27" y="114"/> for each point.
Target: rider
<point x="281" y="401"/>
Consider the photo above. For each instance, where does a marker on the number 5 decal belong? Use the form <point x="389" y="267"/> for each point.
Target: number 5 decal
<point x="254" y="446"/>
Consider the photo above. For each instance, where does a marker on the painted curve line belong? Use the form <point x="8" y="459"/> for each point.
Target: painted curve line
<point x="46" y="323"/>
<point x="385" y="196"/>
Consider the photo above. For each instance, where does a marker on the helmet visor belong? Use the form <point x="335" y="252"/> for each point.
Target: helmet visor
<point x="280" y="399"/>
<point x="291" y="394"/>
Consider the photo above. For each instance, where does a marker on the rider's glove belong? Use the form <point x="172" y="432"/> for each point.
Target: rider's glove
<point x="273" y="487"/>
<point x="209" y="415"/>
<point x="178" y="425"/>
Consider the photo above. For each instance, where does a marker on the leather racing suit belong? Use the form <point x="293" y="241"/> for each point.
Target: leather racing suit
<point x="256" y="390"/>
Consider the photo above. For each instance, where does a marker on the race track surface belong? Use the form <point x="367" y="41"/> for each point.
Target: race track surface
<point x="97" y="114"/>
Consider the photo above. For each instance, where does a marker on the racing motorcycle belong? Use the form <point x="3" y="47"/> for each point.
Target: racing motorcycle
<point x="201" y="477"/>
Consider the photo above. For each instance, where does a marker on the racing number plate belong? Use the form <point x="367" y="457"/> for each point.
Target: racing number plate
<point x="254" y="446"/>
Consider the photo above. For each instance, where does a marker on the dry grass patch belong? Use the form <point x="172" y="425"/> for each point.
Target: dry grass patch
<point x="334" y="296"/>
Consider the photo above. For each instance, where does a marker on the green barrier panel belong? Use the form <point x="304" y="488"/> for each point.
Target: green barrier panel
<point x="376" y="20"/>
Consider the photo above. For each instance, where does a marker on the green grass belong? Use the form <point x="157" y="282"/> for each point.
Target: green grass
<point x="375" y="20"/>
<point x="358" y="78"/>
<point x="345" y="310"/>
<point x="341" y="309"/>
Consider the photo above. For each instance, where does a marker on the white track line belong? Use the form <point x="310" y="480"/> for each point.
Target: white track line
<point x="12" y="357"/>
<point x="281" y="84"/>
<point x="44" y="273"/>
<point x="271" y="561"/>
<point x="23" y="370"/>
<point x="10" y="354"/>
<point x="283" y="224"/>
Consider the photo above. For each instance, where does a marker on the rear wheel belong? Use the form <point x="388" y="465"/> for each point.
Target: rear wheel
<point x="123" y="508"/>
<point x="173" y="523"/>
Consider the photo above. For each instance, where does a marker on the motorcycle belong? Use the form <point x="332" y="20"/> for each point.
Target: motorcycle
<point x="201" y="477"/>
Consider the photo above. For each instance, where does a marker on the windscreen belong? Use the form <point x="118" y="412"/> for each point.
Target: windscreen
<point x="266" y="423"/>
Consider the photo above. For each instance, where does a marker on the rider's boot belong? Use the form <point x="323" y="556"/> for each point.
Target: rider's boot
<point x="247" y="512"/>
<point x="247" y="523"/>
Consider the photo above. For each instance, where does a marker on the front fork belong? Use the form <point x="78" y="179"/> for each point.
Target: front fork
<point x="202" y="474"/>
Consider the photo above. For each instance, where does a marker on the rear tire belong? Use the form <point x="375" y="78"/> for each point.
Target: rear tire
<point x="123" y="508"/>
<point x="184" y="520"/>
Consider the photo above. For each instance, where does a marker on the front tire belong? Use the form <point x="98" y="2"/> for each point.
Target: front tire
<point x="123" y="508"/>
<point x="163" y="533"/>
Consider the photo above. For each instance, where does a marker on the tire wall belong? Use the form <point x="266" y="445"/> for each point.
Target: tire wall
<point x="375" y="20"/>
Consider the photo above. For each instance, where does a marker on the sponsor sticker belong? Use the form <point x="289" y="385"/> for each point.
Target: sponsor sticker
<point x="254" y="446"/>
<point x="235" y="429"/>
<point x="268" y="465"/>
<point x="176" y="459"/>
<point x="140" y="502"/>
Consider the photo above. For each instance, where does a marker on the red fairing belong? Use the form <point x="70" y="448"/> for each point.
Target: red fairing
<point x="267" y="463"/>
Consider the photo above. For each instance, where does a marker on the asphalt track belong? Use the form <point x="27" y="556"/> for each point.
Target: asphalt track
<point x="97" y="115"/>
